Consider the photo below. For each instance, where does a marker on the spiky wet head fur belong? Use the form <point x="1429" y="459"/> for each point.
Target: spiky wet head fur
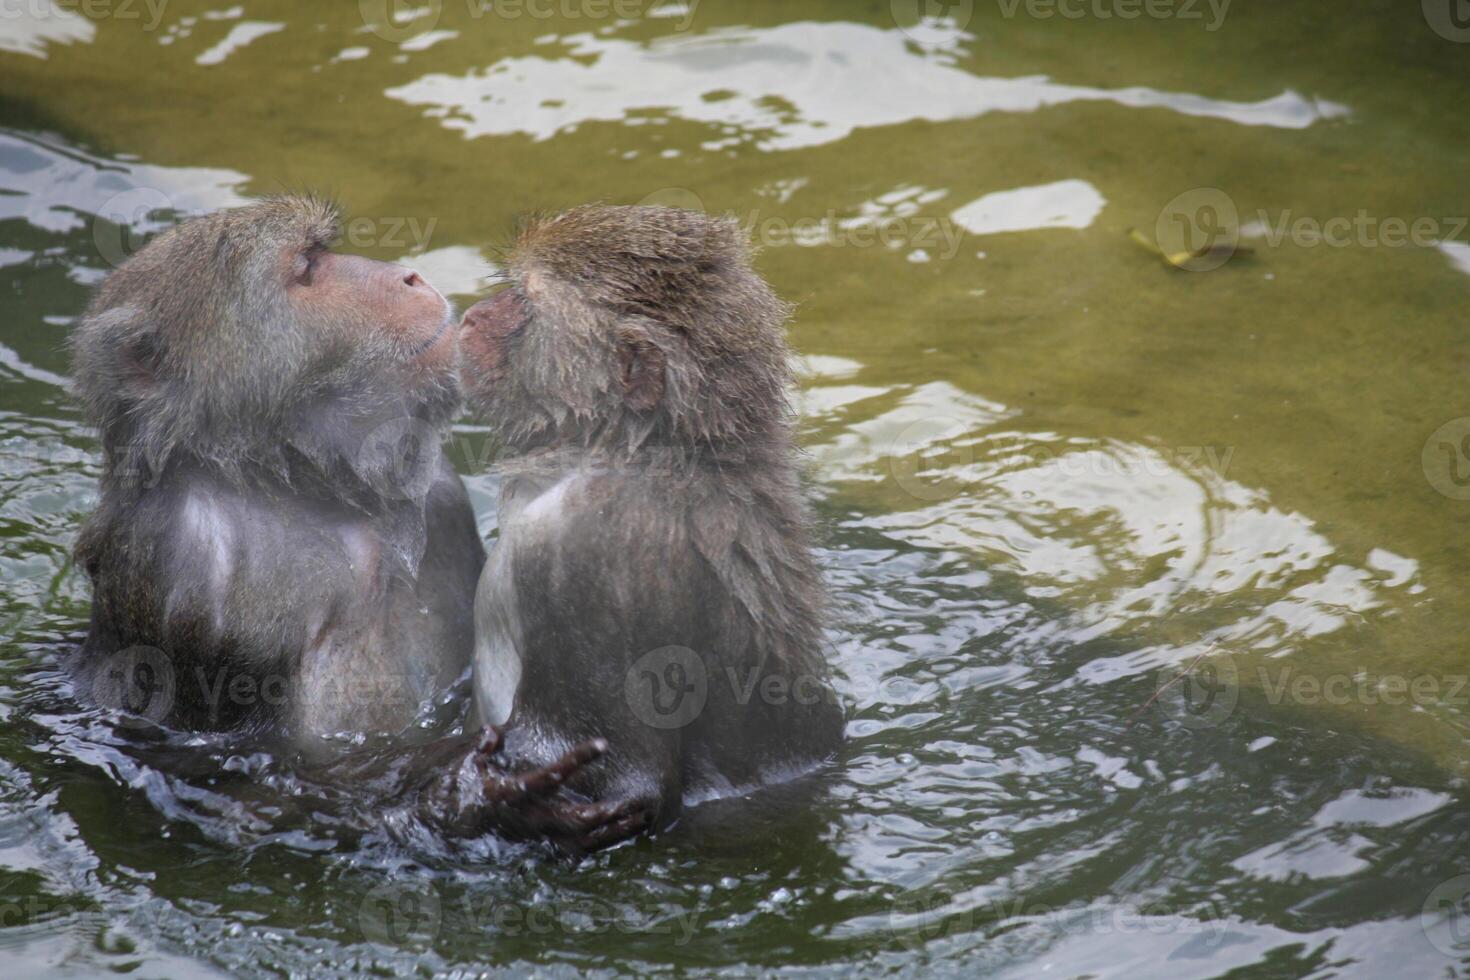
<point x="635" y="326"/>
<point x="191" y="351"/>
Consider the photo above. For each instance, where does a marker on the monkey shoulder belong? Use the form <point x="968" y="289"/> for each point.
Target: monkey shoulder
<point x="599" y="521"/>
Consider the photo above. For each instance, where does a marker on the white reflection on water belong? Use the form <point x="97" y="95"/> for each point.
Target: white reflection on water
<point x="1132" y="540"/>
<point x="1064" y="204"/>
<point x="27" y="28"/>
<point x="59" y="188"/>
<point x="783" y="87"/>
<point x="456" y="270"/>
<point x="240" y="35"/>
<point x="1327" y="848"/>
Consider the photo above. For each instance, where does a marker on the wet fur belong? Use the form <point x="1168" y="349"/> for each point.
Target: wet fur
<point x="241" y="527"/>
<point x="651" y="500"/>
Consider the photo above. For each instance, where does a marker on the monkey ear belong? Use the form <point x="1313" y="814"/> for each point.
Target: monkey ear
<point x="642" y="363"/>
<point x="139" y="361"/>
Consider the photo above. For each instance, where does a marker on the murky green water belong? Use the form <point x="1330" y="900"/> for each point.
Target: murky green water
<point x="1054" y="472"/>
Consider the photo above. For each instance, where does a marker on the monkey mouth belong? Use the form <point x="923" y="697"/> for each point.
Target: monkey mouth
<point x="429" y="344"/>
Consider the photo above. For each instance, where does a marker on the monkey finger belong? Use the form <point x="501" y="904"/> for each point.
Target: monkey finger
<point x="591" y="818"/>
<point x="489" y="742"/>
<point x="616" y="831"/>
<point x="548" y="779"/>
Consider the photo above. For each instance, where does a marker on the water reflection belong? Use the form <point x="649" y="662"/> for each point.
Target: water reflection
<point x="1125" y="537"/>
<point x="59" y="188"/>
<point x="30" y="27"/>
<point x="780" y="88"/>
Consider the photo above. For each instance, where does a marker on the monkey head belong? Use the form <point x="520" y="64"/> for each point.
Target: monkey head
<point x="239" y="335"/>
<point x="630" y="326"/>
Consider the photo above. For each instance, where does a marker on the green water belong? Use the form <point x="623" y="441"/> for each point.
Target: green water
<point x="1053" y="472"/>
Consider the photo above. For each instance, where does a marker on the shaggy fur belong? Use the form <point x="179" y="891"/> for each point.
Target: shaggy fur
<point x="249" y="527"/>
<point x="639" y="375"/>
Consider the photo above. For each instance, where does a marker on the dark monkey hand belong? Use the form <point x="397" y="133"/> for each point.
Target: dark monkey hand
<point x="478" y="796"/>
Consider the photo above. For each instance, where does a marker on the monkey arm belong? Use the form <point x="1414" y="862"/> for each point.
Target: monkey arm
<point x="568" y="606"/>
<point x="667" y="630"/>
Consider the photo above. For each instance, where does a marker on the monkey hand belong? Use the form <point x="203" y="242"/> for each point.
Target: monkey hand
<point x="479" y="795"/>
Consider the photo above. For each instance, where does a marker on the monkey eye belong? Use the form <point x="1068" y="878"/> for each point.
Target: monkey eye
<point x="305" y="263"/>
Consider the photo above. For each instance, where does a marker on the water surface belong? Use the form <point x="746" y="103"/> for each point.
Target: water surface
<point x="1053" y="472"/>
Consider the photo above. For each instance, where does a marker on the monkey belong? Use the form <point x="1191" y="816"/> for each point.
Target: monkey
<point x="653" y="582"/>
<point x="281" y="551"/>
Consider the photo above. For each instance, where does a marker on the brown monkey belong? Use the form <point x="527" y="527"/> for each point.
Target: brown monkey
<point x="265" y="558"/>
<point x="653" y="582"/>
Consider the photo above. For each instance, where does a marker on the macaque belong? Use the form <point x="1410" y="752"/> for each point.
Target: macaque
<point x="281" y="550"/>
<point x="653" y="582"/>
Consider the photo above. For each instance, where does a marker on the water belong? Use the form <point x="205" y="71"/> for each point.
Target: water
<point x="1053" y="473"/>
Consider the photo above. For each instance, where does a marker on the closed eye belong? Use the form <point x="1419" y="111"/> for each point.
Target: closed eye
<point x="305" y="265"/>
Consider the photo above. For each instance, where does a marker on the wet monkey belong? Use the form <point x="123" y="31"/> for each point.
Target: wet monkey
<point x="653" y="582"/>
<point x="262" y="560"/>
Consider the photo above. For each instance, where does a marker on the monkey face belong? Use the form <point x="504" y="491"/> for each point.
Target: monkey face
<point x="347" y="294"/>
<point x="485" y="337"/>
<point x="240" y="332"/>
<point x="629" y="327"/>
